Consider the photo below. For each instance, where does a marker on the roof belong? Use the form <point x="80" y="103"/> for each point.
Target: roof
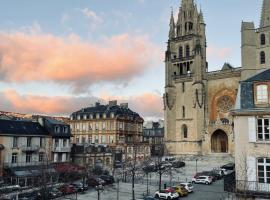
<point x="227" y="66"/>
<point x="118" y="110"/>
<point x="263" y="76"/>
<point x="15" y="127"/>
<point x="55" y="122"/>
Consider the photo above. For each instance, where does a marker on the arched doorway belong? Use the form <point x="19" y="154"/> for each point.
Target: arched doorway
<point x="219" y="142"/>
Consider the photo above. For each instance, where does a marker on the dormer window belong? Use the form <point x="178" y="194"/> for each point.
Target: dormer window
<point x="65" y="129"/>
<point x="91" y="116"/>
<point x="112" y="115"/>
<point x="57" y="129"/>
<point x="104" y="115"/>
<point x="78" y="117"/>
<point x="71" y="117"/>
<point x="97" y="115"/>
<point x="84" y="116"/>
<point x="262" y="93"/>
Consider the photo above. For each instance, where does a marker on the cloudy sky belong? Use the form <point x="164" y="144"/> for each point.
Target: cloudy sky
<point x="59" y="56"/>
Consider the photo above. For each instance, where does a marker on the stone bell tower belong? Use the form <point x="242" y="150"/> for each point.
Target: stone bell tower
<point x="184" y="98"/>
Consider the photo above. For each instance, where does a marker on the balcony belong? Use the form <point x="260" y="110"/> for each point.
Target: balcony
<point x="61" y="149"/>
<point x="31" y="148"/>
<point x="23" y="164"/>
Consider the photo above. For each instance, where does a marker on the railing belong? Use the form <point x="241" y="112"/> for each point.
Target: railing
<point x="30" y="148"/>
<point x="61" y="149"/>
<point x="23" y="164"/>
<point x="248" y="188"/>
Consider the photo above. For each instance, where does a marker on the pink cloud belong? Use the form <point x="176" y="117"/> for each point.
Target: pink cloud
<point x="147" y="104"/>
<point x="45" y="57"/>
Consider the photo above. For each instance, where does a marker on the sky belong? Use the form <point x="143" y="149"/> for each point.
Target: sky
<point x="57" y="57"/>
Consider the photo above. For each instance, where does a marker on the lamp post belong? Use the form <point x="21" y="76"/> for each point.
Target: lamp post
<point x="99" y="188"/>
<point x="196" y="165"/>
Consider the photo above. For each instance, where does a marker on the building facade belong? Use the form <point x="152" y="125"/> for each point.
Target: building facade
<point x="197" y="103"/>
<point x="153" y="132"/>
<point x="252" y="137"/>
<point x="114" y="125"/>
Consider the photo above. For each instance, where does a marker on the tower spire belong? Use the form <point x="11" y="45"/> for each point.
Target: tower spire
<point x="265" y="14"/>
<point x="172" y="26"/>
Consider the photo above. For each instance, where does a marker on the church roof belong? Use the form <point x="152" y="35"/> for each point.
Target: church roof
<point x="227" y="66"/>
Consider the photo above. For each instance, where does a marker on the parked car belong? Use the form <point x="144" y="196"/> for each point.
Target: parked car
<point x="187" y="186"/>
<point x="180" y="190"/>
<point x="67" y="189"/>
<point x="107" y="178"/>
<point x="165" y="194"/>
<point x="178" y="164"/>
<point x="202" y="179"/>
<point x="79" y="186"/>
<point x="55" y="193"/>
<point x="93" y="182"/>
<point x="168" y="158"/>
<point x="149" y="168"/>
<point x="228" y="168"/>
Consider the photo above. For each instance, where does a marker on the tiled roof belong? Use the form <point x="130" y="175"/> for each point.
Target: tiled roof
<point x="16" y="127"/>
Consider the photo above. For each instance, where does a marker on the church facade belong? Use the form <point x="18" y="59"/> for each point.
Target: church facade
<point x="197" y="102"/>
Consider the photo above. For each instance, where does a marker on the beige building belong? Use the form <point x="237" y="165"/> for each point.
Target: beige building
<point x="252" y="137"/>
<point x="197" y="103"/>
<point x="114" y="125"/>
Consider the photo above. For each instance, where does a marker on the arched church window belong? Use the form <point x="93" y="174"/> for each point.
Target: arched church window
<point x="186" y="26"/>
<point x="190" y="27"/>
<point x="262" y="39"/>
<point x="180" y="52"/>
<point x="178" y="30"/>
<point x="184" y="131"/>
<point x="187" y="51"/>
<point x="262" y="57"/>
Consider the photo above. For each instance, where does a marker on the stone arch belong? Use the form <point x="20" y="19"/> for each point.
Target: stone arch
<point x="219" y="142"/>
<point x="224" y="95"/>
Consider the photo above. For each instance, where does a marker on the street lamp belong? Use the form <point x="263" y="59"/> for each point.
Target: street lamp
<point x="196" y="165"/>
<point x="99" y="188"/>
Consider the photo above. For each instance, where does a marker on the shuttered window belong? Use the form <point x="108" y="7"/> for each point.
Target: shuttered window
<point x="263" y="165"/>
<point x="263" y="129"/>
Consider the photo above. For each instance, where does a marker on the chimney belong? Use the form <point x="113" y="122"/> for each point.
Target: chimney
<point x="97" y="104"/>
<point x="113" y="103"/>
<point x="124" y="105"/>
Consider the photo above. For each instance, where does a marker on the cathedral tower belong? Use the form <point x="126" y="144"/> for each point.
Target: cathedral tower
<point x="184" y="98"/>
<point x="255" y="47"/>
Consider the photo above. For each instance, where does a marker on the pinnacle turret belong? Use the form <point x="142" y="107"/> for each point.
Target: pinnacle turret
<point x="172" y="27"/>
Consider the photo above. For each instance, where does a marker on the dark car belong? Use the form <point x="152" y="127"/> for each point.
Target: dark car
<point x="178" y="164"/>
<point x="107" y="178"/>
<point x="93" y="182"/>
<point x="149" y="168"/>
<point x="214" y="175"/>
<point x="80" y="187"/>
<point x="67" y="189"/>
<point x="55" y="193"/>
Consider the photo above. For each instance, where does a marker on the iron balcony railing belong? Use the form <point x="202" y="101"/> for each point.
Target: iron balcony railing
<point x="23" y="164"/>
<point x="30" y="148"/>
<point x="62" y="149"/>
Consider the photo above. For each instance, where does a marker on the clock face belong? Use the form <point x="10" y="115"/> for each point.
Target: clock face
<point x="224" y="104"/>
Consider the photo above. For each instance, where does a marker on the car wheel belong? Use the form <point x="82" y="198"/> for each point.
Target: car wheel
<point x="206" y="183"/>
<point x="168" y="198"/>
<point x="156" y="196"/>
<point x="193" y="182"/>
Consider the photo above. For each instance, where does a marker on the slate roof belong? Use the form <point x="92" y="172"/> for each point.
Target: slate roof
<point x="263" y="76"/>
<point x="119" y="111"/>
<point x="20" y="127"/>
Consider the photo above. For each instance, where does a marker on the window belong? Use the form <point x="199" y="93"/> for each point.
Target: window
<point x="111" y="138"/>
<point x="15" y="142"/>
<point x="183" y="112"/>
<point x="263" y="129"/>
<point x="180" y="52"/>
<point x="77" y="139"/>
<point x="65" y="129"/>
<point x="90" y="127"/>
<point x="103" y="126"/>
<point x="262" y="57"/>
<point x="90" y="139"/>
<point x="96" y="126"/>
<point x="103" y="139"/>
<point x="112" y="115"/>
<point x="41" y="157"/>
<point x="262" y="39"/>
<point x="84" y="116"/>
<point x="41" y="142"/>
<point x="28" y="157"/>
<point x="57" y="129"/>
<point x="187" y="51"/>
<point x="29" y="139"/>
<point x="56" y="142"/>
<point x="83" y="140"/>
<point x="65" y="143"/>
<point x="262" y="94"/>
<point x="96" y="139"/>
<point x="14" y="158"/>
<point x="78" y="117"/>
<point x="121" y="125"/>
<point x="263" y="170"/>
<point x="185" y="131"/>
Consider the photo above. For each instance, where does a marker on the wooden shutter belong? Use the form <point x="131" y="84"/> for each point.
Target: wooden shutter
<point x="251" y="168"/>
<point x="252" y="129"/>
